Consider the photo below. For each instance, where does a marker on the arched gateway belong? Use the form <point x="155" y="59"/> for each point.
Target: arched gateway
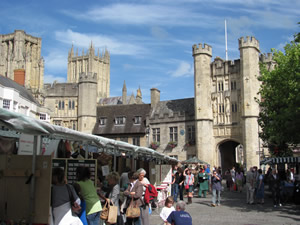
<point x="225" y="105"/>
<point x="229" y="154"/>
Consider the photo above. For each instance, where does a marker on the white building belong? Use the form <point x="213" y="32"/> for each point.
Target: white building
<point x="17" y="98"/>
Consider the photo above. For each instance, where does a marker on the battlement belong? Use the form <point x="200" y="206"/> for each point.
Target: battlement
<point x="248" y="42"/>
<point x="266" y="57"/>
<point x="88" y="77"/>
<point x="206" y="49"/>
<point x="103" y="56"/>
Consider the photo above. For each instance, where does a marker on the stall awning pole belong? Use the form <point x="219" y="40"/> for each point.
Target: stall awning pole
<point x="115" y="160"/>
<point x="32" y="181"/>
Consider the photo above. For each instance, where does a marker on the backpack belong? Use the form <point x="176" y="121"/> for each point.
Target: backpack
<point x="150" y="193"/>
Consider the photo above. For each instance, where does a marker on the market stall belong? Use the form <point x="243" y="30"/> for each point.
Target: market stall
<point x="14" y="126"/>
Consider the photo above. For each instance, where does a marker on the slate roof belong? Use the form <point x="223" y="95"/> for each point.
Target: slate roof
<point x="180" y="106"/>
<point x="7" y="82"/>
<point x="129" y="111"/>
<point x="111" y="101"/>
<point x="115" y="100"/>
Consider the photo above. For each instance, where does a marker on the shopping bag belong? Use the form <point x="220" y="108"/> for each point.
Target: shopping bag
<point x="112" y="214"/>
<point x="104" y="212"/>
<point x="133" y="211"/>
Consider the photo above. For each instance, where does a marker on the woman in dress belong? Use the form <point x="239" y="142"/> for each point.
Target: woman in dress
<point x="61" y="194"/>
<point x="203" y="181"/>
<point x="189" y="184"/>
<point x="260" y="193"/>
<point x="89" y="194"/>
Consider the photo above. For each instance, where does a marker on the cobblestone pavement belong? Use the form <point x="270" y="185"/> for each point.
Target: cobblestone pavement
<point x="235" y="211"/>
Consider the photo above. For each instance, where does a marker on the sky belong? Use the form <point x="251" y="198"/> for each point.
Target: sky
<point x="150" y="42"/>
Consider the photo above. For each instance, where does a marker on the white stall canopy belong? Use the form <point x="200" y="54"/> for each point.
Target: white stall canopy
<point x="28" y="125"/>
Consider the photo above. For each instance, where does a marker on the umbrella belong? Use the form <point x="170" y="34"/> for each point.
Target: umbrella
<point x="193" y="160"/>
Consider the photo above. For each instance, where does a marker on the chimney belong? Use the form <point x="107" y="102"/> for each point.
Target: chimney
<point x="19" y="76"/>
<point x="155" y="97"/>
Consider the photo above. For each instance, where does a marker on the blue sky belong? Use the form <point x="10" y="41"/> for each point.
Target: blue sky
<point x="150" y="42"/>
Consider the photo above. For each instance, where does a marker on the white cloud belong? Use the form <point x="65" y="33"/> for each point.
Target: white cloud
<point x="51" y="78"/>
<point x="184" y="69"/>
<point x="115" y="46"/>
<point x="146" y="14"/>
<point x="56" y="61"/>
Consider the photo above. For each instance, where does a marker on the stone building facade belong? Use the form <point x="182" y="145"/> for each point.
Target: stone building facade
<point x="72" y="104"/>
<point x="89" y="62"/>
<point x="226" y="111"/>
<point x="20" y="59"/>
<point x="219" y="125"/>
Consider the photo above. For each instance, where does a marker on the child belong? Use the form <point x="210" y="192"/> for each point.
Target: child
<point x="166" y="211"/>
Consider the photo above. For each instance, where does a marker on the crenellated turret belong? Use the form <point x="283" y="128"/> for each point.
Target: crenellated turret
<point x="248" y="43"/>
<point x="88" y="77"/>
<point x="202" y="50"/>
<point x="265" y="58"/>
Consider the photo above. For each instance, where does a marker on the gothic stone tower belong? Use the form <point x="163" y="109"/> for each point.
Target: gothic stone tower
<point x="249" y="52"/>
<point x="203" y="107"/>
<point x="225" y="109"/>
<point x="87" y="102"/>
<point x="99" y="64"/>
<point x="20" y="59"/>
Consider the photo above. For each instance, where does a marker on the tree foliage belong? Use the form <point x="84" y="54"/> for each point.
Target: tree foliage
<point x="280" y="101"/>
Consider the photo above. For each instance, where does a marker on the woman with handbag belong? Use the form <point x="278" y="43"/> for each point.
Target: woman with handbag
<point x="89" y="194"/>
<point x="189" y="184"/>
<point x="134" y="194"/>
<point x="63" y="200"/>
<point x="113" y="197"/>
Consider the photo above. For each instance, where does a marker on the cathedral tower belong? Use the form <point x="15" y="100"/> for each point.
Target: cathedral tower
<point x="203" y="106"/>
<point x="249" y="70"/>
<point x="89" y="62"/>
<point x="87" y="102"/>
<point x="22" y="52"/>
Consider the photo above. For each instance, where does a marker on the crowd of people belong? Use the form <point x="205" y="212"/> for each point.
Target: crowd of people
<point x="201" y="180"/>
<point x="82" y="202"/>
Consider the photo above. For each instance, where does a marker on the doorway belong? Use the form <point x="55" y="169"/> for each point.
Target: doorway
<point x="227" y="153"/>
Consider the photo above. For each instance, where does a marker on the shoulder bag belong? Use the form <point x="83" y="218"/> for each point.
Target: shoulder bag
<point x="133" y="211"/>
<point x="112" y="213"/>
<point x="187" y="186"/>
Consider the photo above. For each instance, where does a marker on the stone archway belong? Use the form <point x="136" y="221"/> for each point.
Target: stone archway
<point x="228" y="154"/>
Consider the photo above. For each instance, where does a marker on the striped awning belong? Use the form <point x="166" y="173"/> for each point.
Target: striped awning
<point x="280" y="160"/>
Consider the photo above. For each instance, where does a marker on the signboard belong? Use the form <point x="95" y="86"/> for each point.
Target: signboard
<point x="26" y="144"/>
<point x="70" y="166"/>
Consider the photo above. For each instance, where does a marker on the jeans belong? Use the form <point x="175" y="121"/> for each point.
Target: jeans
<point x="216" y="197"/>
<point x="175" y="191"/>
<point x="93" y="219"/>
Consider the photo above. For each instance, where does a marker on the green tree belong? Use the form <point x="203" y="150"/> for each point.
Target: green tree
<point x="280" y="101"/>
